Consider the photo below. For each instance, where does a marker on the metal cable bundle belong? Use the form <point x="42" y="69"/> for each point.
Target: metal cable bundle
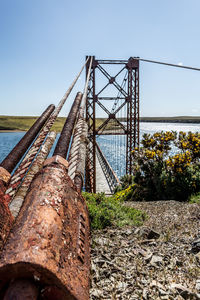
<point x="75" y="156"/>
<point x="28" y="159"/>
<point x="17" y="201"/>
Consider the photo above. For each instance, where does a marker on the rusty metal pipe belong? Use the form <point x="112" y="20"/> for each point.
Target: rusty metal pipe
<point x="21" y="290"/>
<point x="65" y="136"/>
<point x="50" y="237"/>
<point x="12" y="159"/>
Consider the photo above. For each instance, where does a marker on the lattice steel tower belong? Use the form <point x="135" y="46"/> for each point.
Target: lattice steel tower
<point x="101" y="93"/>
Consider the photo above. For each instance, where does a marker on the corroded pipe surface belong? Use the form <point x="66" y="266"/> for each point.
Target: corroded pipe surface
<point x="66" y="133"/>
<point x="21" y="290"/>
<point x="6" y="222"/>
<point x="10" y="162"/>
<point x="6" y="219"/>
<point x="50" y="238"/>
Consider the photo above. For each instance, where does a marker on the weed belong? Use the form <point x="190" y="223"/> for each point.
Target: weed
<point x="108" y="211"/>
<point x="195" y="198"/>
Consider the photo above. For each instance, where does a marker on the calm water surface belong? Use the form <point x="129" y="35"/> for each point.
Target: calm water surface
<point x="113" y="147"/>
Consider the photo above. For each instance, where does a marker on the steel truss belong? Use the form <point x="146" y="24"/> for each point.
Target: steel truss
<point x="129" y="96"/>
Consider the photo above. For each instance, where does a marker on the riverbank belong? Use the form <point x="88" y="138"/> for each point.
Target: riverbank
<point x="159" y="260"/>
<point x="19" y="123"/>
<point x="178" y="119"/>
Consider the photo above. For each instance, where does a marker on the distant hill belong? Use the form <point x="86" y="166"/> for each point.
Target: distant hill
<point x="178" y="119"/>
<point x="17" y="123"/>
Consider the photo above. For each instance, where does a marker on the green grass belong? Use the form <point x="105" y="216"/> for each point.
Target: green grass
<point x="108" y="211"/>
<point x="24" y="123"/>
<point x="195" y="198"/>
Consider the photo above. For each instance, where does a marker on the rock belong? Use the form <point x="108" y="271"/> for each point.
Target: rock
<point x="198" y="285"/>
<point x="183" y="291"/>
<point x="179" y="297"/>
<point x="196" y="246"/>
<point x="156" y="261"/>
<point x="157" y="284"/>
<point x="147" y="233"/>
<point x="96" y="293"/>
<point x="153" y="235"/>
<point x="128" y="264"/>
<point x="145" y="294"/>
<point x="198" y="257"/>
<point x="146" y="254"/>
<point x="129" y="232"/>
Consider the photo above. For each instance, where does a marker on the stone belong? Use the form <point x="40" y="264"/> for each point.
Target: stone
<point x="196" y="246"/>
<point x="198" y="285"/>
<point x="156" y="261"/>
<point x="183" y="291"/>
<point x="147" y="233"/>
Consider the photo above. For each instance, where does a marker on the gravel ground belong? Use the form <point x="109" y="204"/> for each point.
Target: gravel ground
<point x="159" y="260"/>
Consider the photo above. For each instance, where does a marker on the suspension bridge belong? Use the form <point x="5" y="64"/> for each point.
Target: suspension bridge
<point x="44" y="224"/>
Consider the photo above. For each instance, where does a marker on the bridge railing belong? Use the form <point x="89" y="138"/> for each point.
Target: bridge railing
<point x="110" y="175"/>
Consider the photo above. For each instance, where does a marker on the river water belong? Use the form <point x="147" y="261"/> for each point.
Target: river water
<point x="114" y="148"/>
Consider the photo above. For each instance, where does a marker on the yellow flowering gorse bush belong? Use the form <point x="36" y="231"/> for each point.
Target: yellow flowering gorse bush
<point x="159" y="175"/>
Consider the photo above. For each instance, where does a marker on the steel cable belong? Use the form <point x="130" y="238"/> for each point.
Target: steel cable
<point x="17" y="201"/>
<point x="28" y="159"/>
<point x="77" y="156"/>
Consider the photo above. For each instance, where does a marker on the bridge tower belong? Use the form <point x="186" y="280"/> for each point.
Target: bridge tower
<point x="102" y="91"/>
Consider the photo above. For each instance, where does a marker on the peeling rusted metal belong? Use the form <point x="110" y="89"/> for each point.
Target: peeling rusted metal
<point x="50" y="238"/>
<point x="56" y="159"/>
<point x="6" y="219"/>
<point x="66" y="133"/>
<point x="4" y="175"/>
<point x="12" y="159"/>
<point x="6" y="222"/>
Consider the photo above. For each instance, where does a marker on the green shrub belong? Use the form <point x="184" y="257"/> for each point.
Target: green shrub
<point x="125" y="182"/>
<point x="157" y="175"/>
<point x="109" y="211"/>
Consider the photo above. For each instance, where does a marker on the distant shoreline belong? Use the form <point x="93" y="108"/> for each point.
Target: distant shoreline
<point x="12" y="130"/>
<point x="181" y="119"/>
<point x="22" y="124"/>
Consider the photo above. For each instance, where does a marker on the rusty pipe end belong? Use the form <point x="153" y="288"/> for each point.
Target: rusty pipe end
<point x="38" y="276"/>
<point x="56" y="159"/>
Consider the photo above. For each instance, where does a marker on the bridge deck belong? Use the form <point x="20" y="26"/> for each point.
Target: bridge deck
<point x="101" y="181"/>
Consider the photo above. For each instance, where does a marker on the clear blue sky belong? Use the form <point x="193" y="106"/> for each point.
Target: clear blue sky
<point x="43" y="44"/>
